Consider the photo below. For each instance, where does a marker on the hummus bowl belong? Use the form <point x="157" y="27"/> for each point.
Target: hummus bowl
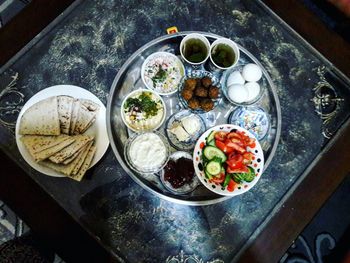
<point x="143" y="110"/>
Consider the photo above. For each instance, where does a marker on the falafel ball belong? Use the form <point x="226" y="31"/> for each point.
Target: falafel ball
<point x="199" y="82"/>
<point x="213" y="92"/>
<point x="193" y="103"/>
<point x="207" y="104"/>
<point x="201" y="92"/>
<point x="190" y="84"/>
<point x="187" y="93"/>
<point x="206" y="82"/>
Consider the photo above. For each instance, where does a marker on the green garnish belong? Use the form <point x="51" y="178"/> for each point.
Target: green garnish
<point x="143" y="103"/>
<point x="160" y="76"/>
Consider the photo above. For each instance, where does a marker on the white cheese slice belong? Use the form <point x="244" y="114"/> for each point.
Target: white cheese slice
<point x="180" y="133"/>
<point x="191" y="124"/>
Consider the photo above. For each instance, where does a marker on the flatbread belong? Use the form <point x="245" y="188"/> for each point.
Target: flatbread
<point x="85" y="118"/>
<point x="67" y="169"/>
<point x="65" y="107"/>
<point x="39" y="156"/>
<point x="38" y="143"/>
<point x="80" y="142"/>
<point x="70" y="159"/>
<point x="81" y="161"/>
<point x="75" y="112"/>
<point x="41" y="118"/>
<point x="85" y="166"/>
<point x="90" y="105"/>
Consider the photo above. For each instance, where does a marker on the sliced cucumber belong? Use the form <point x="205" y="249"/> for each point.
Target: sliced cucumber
<point x="211" y="136"/>
<point x="211" y="143"/>
<point x="248" y="177"/>
<point x="210" y="152"/>
<point x="213" y="168"/>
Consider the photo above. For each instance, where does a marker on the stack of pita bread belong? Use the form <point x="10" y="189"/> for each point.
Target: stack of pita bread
<point x="53" y="130"/>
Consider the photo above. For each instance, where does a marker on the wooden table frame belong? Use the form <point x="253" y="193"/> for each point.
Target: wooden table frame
<point x="74" y="244"/>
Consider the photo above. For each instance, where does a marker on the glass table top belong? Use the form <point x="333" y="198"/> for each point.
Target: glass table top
<point x="88" y="46"/>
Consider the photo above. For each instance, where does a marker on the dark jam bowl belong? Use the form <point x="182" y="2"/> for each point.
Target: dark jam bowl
<point x="187" y="187"/>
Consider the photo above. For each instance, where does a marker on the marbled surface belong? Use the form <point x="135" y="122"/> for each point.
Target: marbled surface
<point x="88" y="48"/>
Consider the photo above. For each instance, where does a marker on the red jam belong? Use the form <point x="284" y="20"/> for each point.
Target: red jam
<point x="179" y="172"/>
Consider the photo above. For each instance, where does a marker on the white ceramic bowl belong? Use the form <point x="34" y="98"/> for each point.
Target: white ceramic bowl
<point x="169" y="86"/>
<point x="153" y="123"/>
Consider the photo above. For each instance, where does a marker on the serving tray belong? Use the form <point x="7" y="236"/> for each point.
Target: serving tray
<point x="129" y="79"/>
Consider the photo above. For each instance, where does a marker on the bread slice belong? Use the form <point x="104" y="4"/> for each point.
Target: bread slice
<point x="38" y="143"/>
<point x="65" y="107"/>
<point x="85" y="118"/>
<point x="74" y="118"/>
<point x="68" y="169"/>
<point x="85" y="166"/>
<point x="42" y="155"/>
<point x="80" y="142"/>
<point x="41" y="118"/>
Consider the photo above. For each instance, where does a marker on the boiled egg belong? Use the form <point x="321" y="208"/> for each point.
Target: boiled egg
<point x="252" y="72"/>
<point x="238" y="93"/>
<point x="235" y="78"/>
<point x="253" y="89"/>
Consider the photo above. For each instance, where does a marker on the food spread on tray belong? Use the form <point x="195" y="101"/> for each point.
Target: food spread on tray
<point x="143" y="110"/>
<point x="52" y="130"/>
<point x="225" y="156"/>
<point x="162" y="72"/>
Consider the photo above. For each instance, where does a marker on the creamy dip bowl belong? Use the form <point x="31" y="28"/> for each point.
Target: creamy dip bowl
<point x="147" y="152"/>
<point x="143" y="110"/>
<point x="162" y="72"/>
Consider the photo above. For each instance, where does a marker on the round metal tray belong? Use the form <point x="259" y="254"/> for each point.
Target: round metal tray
<point x="129" y="79"/>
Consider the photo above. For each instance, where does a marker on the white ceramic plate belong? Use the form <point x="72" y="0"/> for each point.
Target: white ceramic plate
<point x="98" y="129"/>
<point x="257" y="164"/>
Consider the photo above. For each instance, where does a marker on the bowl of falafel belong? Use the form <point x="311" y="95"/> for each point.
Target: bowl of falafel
<point x="199" y="91"/>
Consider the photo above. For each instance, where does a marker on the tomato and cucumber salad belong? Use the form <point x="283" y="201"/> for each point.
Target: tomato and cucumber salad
<point x="226" y="159"/>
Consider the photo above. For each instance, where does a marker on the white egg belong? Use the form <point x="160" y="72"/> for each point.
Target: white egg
<point x="235" y="78"/>
<point x="237" y="93"/>
<point x="251" y="72"/>
<point x="253" y="89"/>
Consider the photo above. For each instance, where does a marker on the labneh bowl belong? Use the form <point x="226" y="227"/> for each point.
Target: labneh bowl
<point x="147" y="152"/>
<point x="139" y="120"/>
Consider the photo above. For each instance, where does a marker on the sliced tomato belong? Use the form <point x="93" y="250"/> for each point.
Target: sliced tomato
<point x="218" y="179"/>
<point x="235" y="135"/>
<point x="243" y="169"/>
<point x="221" y="136"/>
<point x="223" y="147"/>
<point x="240" y="142"/>
<point x="236" y="147"/>
<point x="231" y="185"/>
<point x="235" y="161"/>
